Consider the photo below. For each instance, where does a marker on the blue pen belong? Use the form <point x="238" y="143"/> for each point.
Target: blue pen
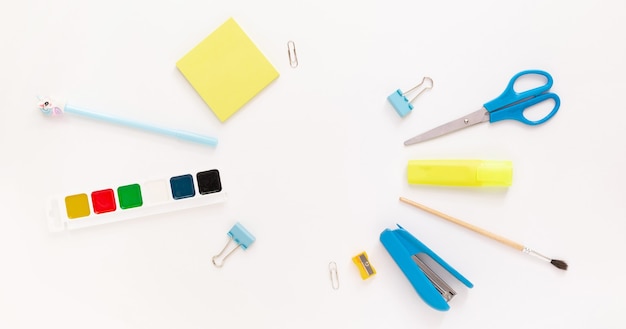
<point x="49" y="108"/>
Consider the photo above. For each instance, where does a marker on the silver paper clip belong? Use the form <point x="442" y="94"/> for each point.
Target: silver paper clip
<point x="291" y="51"/>
<point x="334" y="275"/>
<point x="239" y="235"/>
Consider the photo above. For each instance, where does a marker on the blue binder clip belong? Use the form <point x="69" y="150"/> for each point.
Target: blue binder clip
<point x="404" y="248"/>
<point x="240" y="236"/>
<point x="399" y="101"/>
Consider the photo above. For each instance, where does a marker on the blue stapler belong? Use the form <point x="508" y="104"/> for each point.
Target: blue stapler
<point x="404" y="248"/>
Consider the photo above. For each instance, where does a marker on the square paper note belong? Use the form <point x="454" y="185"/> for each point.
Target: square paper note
<point x="227" y="69"/>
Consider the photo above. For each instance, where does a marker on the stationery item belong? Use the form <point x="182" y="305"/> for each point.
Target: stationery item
<point x="227" y="69"/>
<point x="408" y="252"/>
<point x="334" y="275"/>
<point x="291" y="52"/>
<point x="366" y="270"/>
<point x="237" y="235"/>
<point x="557" y="263"/>
<point x="49" y="108"/>
<point x="399" y="101"/>
<point x="460" y="172"/>
<point x="510" y="105"/>
<point x="133" y="199"/>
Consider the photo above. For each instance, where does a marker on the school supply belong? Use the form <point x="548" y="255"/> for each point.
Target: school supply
<point x="133" y="199"/>
<point x="362" y="262"/>
<point x="557" y="263"/>
<point x="408" y="252"/>
<point x="460" y="172"/>
<point x="334" y="275"/>
<point x="227" y="69"/>
<point x="241" y="237"/>
<point x="291" y="52"/>
<point x="399" y="101"/>
<point x="510" y="105"/>
<point x="50" y="108"/>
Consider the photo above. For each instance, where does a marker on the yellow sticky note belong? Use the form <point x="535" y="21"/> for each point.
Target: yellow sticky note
<point x="227" y="69"/>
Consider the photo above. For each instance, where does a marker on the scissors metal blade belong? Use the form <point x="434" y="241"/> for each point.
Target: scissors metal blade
<point x="471" y="119"/>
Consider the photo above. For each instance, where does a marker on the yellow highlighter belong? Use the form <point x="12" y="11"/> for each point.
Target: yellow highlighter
<point x="460" y="172"/>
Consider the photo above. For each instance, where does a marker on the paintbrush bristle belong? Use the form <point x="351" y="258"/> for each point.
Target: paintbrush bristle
<point x="559" y="264"/>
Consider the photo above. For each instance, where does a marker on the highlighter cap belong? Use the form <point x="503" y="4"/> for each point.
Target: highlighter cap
<point x="460" y="172"/>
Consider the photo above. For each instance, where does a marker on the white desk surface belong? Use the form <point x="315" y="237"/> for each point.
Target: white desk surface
<point x="314" y="165"/>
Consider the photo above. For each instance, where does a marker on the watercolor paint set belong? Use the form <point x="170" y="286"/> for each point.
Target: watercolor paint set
<point x="134" y="199"/>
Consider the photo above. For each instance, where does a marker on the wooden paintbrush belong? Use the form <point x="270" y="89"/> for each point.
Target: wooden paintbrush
<point x="557" y="263"/>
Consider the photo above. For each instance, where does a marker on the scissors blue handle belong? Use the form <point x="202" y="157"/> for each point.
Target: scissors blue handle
<point x="510" y="105"/>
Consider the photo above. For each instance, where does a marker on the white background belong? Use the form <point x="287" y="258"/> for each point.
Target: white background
<point x="314" y="165"/>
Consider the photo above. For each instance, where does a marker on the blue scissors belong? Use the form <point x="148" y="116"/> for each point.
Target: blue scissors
<point x="508" y="106"/>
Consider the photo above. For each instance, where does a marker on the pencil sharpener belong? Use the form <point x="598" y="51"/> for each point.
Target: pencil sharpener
<point x="363" y="264"/>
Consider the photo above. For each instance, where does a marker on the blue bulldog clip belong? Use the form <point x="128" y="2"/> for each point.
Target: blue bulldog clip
<point x="404" y="249"/>
<point x="401" y="104"/>
<point x="240" y="237"/>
